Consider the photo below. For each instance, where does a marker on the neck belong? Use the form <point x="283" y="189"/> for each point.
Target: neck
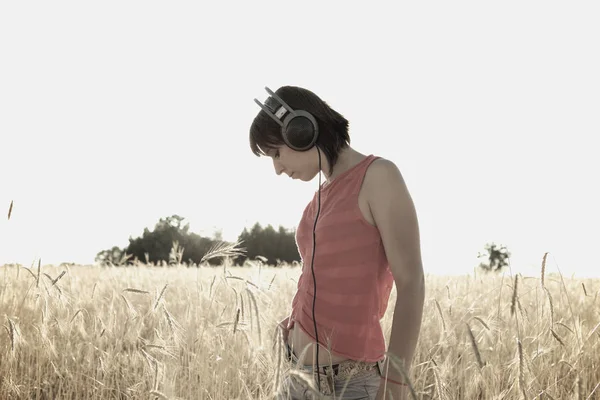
<point x="347" y="158"/>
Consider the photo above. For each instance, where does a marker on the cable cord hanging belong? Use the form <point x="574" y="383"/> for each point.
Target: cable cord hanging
<point x="312" y="266"/>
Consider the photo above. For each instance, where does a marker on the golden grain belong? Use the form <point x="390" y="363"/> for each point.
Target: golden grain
<point x="107" y="352"/>
<point x="475" y="348"/>
<point x="514" y="296"/>
<point x="521" y="369"/>
<point x="544" y="268"/>
<point x="551" y="305"/>
<point x="439" y="309"/>
<point x="162" y="292"/>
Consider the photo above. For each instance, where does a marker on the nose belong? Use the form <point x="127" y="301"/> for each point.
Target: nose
<point x="278" y="167"/>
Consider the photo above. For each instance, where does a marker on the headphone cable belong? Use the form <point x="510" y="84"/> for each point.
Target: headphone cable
<point x="313" y="270"/>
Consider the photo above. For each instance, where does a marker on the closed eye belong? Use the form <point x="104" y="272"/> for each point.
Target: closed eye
<point x="274" y="153"/>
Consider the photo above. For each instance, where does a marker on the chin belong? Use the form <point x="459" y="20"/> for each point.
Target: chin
<point x="308" y="178"/>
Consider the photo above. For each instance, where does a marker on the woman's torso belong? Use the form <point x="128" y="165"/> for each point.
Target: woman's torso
<point x="298" y="339"/>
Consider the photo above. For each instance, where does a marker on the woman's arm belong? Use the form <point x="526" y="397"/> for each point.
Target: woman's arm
<point x="396" y="218"/>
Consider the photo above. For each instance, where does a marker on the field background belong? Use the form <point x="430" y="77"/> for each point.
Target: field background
<point x="77" y="332"/>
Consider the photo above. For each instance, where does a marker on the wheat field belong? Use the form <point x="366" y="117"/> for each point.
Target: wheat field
<point x="175" y="332"/>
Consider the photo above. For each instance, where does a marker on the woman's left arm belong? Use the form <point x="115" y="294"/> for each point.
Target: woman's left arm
<point x="395" y="216"/>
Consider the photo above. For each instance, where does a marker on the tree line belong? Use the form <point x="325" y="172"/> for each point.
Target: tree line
<point x="172" y="242"/>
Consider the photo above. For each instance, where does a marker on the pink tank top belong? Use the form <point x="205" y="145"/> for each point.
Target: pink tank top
<point x="351" y="269"/>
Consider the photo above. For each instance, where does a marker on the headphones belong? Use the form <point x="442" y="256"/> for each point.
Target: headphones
<point x="299" y="128"/>
<point x="300" y="136"/>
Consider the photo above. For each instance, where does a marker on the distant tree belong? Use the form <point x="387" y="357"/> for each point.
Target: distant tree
<point x="155" y="246"/>
<point x="113" y="256"/>
<point x="274" y="245"/>
<point x="496" y="258"/>
<point x="169" y="242"/>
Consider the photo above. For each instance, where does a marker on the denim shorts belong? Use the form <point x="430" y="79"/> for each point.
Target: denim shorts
<point x="349" y="380"/>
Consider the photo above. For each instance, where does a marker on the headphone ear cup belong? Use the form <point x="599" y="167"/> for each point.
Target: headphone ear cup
<point x="300" y="132"/>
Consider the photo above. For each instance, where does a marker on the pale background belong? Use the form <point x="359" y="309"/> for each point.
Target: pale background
<point x="115" y="114"/>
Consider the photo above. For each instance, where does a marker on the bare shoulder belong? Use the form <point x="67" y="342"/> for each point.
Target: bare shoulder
<point x="386" y="187"/>
<point x="396" y="219"/>
<point x="383" y="173"/>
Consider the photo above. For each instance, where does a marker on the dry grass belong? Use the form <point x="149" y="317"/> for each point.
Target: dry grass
<point x="149" y="332"/>
<point x="10" y="209"/>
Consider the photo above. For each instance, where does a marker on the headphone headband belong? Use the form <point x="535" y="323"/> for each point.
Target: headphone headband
<point x="283" y="114"/>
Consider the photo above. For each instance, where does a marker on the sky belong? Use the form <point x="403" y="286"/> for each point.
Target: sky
<point x="116" y="114"/>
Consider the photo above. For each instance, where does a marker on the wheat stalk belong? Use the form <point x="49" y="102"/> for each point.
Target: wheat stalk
<point x="150" y="360"/>
<point x="174" y="326"/>
<point x="438" y="383"/>
<point x="593" y="391"/>
<point x="475" y="348"/>
<point x="579" y="383"/>
<point x="437" y="305"/>
<point x="551" y="304"/>
<point x="544" y="267"/>
<point x="592" y="332"/>
<point x="58" y="278"/>
<point x="12" y="334"/>
<point x="132" y="290"/>
<point x="160" y="296"/>
<point x="514" y="296"/>
<point x="30" y="271"/>
<point x="270" y="283"/>
<point x="39" y="268"/>
<point x="565" y="326"/>
<point x="522" y="310"/>
<point x="236" y="320"/>
<point x="223" y="249"/>
<point x="521" y="369"/>
<point x="482" y="323"/>
<point x="242" y="304"/>
<point x="279" y="341"/>
<point x="75" y="315"/>
<point x="253" y="300"/>
<point x="558" y="338"/>
<point x="129" y="306"/>
<point x="155" y="375"/>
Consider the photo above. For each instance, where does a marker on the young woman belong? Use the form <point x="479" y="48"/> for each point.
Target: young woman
<point x="366" y="238"/>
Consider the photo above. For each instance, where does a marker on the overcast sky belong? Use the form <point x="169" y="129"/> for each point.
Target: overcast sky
<point x="115" y="114"/>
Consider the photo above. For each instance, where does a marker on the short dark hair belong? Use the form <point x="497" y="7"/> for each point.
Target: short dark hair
<point x="265" y="133"/>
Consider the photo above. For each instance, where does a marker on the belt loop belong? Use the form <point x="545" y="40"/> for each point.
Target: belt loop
<point x="335" y="369"/>
<point x="380" y="364"/>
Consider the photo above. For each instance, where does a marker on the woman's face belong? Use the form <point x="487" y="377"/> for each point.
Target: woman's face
<point x="303" y="165"/>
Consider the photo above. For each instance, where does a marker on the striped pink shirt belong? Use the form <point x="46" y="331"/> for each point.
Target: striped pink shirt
<point x="351" y="269"/>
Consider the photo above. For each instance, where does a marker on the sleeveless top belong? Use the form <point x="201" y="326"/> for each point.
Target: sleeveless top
<point x="351" y="270"/>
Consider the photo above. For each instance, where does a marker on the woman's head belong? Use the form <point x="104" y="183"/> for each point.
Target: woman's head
<point x="266" y="138"/>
